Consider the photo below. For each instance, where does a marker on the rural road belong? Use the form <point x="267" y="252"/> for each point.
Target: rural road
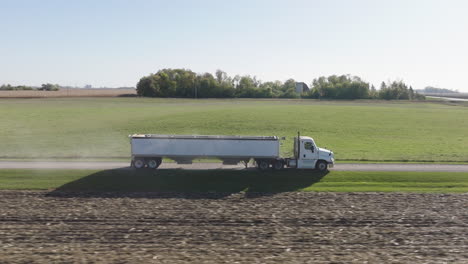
<point x="204" y="166"/>
<point x="449" y="98"/>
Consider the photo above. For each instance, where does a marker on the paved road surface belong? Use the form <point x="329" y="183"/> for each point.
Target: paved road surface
<point x="449" y="98"/>
<point x="202" y="166"/>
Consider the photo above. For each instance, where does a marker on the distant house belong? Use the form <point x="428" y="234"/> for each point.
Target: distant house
<point x="301" y="87"/>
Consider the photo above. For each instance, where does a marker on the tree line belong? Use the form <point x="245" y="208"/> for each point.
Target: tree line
<point x="430" y="89"/>
<point x="44" y="87"/>
<point x="188" y="84"/>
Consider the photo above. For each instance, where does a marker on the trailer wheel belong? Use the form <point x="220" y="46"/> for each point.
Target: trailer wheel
<point x="321" y="165"/>
<point x="278" y="165"/>
<point x="152" y="164"/>
<point x="139" y="163"/>
<point x="263" y="164"/>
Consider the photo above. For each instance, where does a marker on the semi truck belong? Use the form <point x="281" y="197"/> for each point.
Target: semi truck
<point x="148" y="151"/>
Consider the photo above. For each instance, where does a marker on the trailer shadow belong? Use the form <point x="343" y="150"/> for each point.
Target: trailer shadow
<point x="189" y="184"/>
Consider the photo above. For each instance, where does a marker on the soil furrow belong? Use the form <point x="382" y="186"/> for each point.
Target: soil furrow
<point x="40" y="227"/>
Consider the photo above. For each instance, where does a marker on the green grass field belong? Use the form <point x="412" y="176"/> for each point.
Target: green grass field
<point x="98" y="127"/>
<point x="231" y="181"/>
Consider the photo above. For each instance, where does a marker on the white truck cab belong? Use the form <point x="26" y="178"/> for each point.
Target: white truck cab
<point x="309" y="156"/>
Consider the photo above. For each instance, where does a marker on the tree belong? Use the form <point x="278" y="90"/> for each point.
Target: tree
<point x="49" y="87"/>
<point x="288" y="89"/>
<point x="6" y="87"/>
<point x="398" y="90"/>
<point x="220" y="76"/>
<point x="383" y="86"/>
<point x="271" y="89"/>
<point x="208" y="87"/>
<point x="185" y="83"/>
<point x="148" y="86"/>
<point x="167" y="83"/>
<point x="340" y="87"/>
<point x="373" y="94"/>
<point x="246" y="87"/>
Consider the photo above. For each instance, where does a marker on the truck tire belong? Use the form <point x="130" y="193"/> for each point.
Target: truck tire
<point x="263" y="165"/>
<point x="278" y="165"/>
<point x="152" y="164"/>
<point x="321" y="165"/>
<point x="139" y="163"/>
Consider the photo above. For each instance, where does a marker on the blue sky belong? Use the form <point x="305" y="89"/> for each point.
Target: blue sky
<point x="114" y="43"/>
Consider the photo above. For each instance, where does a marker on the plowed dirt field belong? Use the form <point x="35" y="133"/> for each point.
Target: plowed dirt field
<point x="44" y="227"/>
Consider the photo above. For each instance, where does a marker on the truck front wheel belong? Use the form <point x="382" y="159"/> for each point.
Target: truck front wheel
<point x="321" y="165"/>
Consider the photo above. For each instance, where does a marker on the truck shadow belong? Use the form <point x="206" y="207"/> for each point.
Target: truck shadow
<point x="189" y="184"/>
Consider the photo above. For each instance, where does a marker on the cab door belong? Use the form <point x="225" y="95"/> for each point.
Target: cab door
<point x="308" y="155"/>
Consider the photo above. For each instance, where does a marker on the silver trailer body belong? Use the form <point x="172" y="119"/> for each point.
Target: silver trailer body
<point x="183" y="149"/>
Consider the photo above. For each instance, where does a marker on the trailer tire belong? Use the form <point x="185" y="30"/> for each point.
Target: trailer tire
<point x="153" y="163"/>
<point x="139" y="163"/>
<point x="321" y="165"/>
<point x="263" y="165"/>
<point x="278" y="165"/>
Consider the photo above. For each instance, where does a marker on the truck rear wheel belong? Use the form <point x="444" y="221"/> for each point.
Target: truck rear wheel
<point x="154" y="163"/>
<point x="278" y="165"/>
<point x="321" y="165"/>
<point x="139" y="163"/>
<point x="263" y="164"/>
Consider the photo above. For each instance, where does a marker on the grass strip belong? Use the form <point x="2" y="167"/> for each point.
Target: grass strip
<point x="176" y="180"/>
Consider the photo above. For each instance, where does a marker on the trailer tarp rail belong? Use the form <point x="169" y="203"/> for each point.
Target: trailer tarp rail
<point x="137" y="136"/>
